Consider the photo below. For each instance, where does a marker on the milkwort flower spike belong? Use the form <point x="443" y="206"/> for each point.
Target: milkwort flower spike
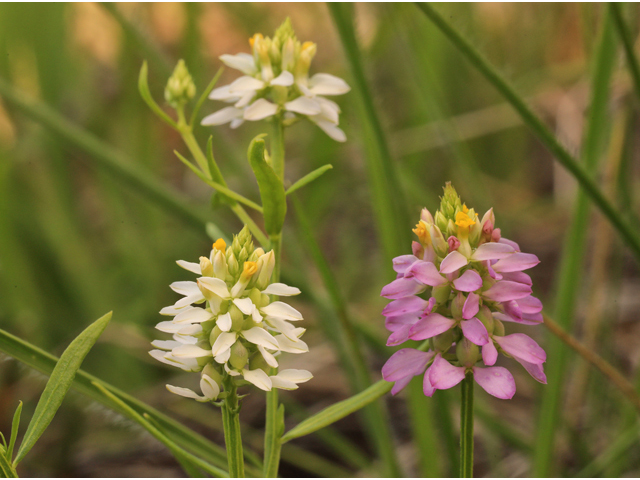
<point x="462" y="281"/>
<point x="227" y="327"/>
<point x="276" y="82"/>
<point x="180" y="87"/>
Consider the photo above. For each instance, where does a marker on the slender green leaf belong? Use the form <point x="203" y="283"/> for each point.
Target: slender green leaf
<point x="628" y="232"/>
<point x="103" y="155"/>
<point x="145" y="93"/>
<point x="15" y="424"/>
<point x="6" y="469"/>
<point x="274" y="202"/>
<point x="204" y="96"/>
<point x="170" y="444"/>
<point x="44" y="362"/>
<point x="620" y="446"/>
<point x="308" y="178"/>
<point x="338" y="411"/>
<point x="627" y="42"/>
<point x="228" y="192"/>
<point x="59" y="384"/>
<point x="572" y="262"/>
<point x="216" y="174"/>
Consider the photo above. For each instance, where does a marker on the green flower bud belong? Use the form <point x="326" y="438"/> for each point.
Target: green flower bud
<point x="456" y="306"/>
<point x="257" y="361"/>
<point x="441" y="293"/>
<point x="239" y="356"/>
<point x="211" y="370"/>
<point x="215" y="333"/>
<point x="484" y="315"/>
<point x="498" y="328"/>
<point x="206" y="267"/>
<point x="467" y="352"/>
<point x="266" y="264"/>
<point x="180" y="87"/>
<point x="237" y="318"/>
<point x="443" y="342"/>
<point x="450" y="201"/>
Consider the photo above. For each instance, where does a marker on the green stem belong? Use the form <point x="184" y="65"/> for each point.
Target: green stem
<point x="232" y="433"/>
<point x="466" y="427"/>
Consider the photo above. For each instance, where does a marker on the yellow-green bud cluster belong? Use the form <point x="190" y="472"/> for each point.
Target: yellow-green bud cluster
<point x="180" y="87"/>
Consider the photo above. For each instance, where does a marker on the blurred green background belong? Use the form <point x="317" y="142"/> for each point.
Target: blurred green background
<point x="77" y="241"/>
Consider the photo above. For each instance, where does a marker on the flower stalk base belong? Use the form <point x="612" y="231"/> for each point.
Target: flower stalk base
<point x="466" y="427"/>
<point x="232" y="434"/>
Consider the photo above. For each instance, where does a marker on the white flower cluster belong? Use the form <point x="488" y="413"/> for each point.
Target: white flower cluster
<point x="276" y="81"/>
<point x="238" y="331"/>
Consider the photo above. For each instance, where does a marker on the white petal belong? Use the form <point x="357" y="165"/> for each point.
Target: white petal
<point x="233" y="373"/>
<point x="186" y="364"/>
<point x="223" y="94"/>
<point x="281" y="290"/>
<point x="295" y="375"/>
<point x="281" y="310"/>
<point x="260" y="109"/>
<point x="190" y="351"/>
<point x="185" y="288"/>
<point x="237" y="122"/>
<point x="189" y="299"/>
<point x="225" y="115"/>
<point x="245" y="305"/>
<point x="223" y="357"/>
<point x="331" y="129"/>
<point x="244" y="100"/>
<point x="191" y="266"/>
<point x="172" y="310"/>
<point x="245" y="84"/>
<point x="193" y="315"/>
<point x="257" y="318"/>
<point x="299" y="331"/>
<point x="168" y="327"/>
<point x="189" y="329"/>
<point x="223" y="343"/>
<point x="285" y="79"/>
<point x="304" y="106"/>
<point x="224" y="322"/>
<point x="165" y="344"/>
<point x="289" y="346"/>
<point x="209" y="387"/>
<point x="214" y="285"/>
<point x="283" y="327"/>
<point x="258" y="378"/>
<point x="282" y="384"/>
<point x="240" y="61"/>
<point x="326" y="84"/>
<point x="270" y="359"/>
<point x="260" y="336"/>
<point x="182" y="339"/>
<point x="330" y="110"/>
<point x="160" y="356"/>
<point x="185" y="392"/>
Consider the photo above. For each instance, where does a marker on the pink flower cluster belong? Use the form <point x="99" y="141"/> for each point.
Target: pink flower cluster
<point x="457" y="293"/>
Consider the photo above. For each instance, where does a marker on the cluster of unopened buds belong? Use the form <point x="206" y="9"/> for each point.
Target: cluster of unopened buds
<point x="461" y="283"/>
<point x="237" y="331"/>
<point x="276" y="82"/>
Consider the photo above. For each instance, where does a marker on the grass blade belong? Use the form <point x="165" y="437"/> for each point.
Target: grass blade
<point x="628" y="232"/>
<point x="308" y="178"/>
<point x="627" y="43"/>
<point x="59" y="384"/>
<point x="7" y="470"/>
<point x="571" y="265"/>
<point x="15" y="424"/>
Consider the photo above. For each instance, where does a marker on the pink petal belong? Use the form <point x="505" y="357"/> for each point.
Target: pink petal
<point x="443" y="375"/>
<point x="496" y="381"/>
<point x="504" y="290"/>
<point x="489" y="354"/>
<point x="401" y="287"/>
<point x="452" y="262"/>
<point x="469" y="281"/>
<point x="401" y="335"/>
<point x="475" y="331"/>
<point x="532" y="318"/>
<point x="404" y="305"/>
<point x="520" y="346"/>
<point x="511" y="243"/>
<point x="516" y="262"/>
<point x="491" y="251"/>
<point x="528" y="319"/>
<point x="400" y="384"/>
<point x="471" y="306"/>
<point x="530" y="305"/>
<point x="430" y="326"/>
<point x="426" y="273"/>
<point x="512" y="309"/>
<point x="401" y="263"/>
<point x="427" y="388"/>
<point x="394" y="323"/>
<point x="407" y="362"/>
<point x="417" y="249"/>
<point x="536" y="371"/>
<point x="519" y="277"/>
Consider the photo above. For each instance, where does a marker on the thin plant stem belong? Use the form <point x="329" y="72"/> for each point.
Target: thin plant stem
<point x="627" y="42"/>
<point x="628" y="232"/>
<point x="624" y="385"/>
<point x="466" y="427"/>
<point x="232" y="433"/>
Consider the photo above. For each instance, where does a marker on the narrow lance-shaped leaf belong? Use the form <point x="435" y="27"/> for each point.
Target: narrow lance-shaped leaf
<point x="59" y="384"/>
<point x="338" y="411"/>
<point x="6" y="470"/>
<point x="272" y="193"/>
<point x="14" y="430"/>
<point x="145" y="93"/>
<point x="308" y="178"/>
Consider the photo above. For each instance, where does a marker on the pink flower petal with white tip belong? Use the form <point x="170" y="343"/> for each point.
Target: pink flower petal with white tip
<point x="401" y="287"/>
<point x="504" y="290"/>
<point x="407" y="362"/>
<point x="430" y="326"/>
<point x="491" y="251"/>
<point x="453" y="262"/>
<point x="471" y="306"/>
<point x="403" y="262"/>
<point x="475" y="331"/>
<point x="520" y="346"/>
<point x="496" y="381"/>
<point x="443" y="375"/>
<point x="469" y="281"/>
<point x="426" y="273"/>
<point x="516" y="262"/>
<point x="489" y="353"/>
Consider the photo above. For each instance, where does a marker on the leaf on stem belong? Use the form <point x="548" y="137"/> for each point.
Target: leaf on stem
<point x="14" y="431"/>
<point x="143" y="88"/>
<point x="204" y="96"/>
<point x="308" y="178"/>
<point x="271" y="188"/>
<point x="59" y="384"/>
